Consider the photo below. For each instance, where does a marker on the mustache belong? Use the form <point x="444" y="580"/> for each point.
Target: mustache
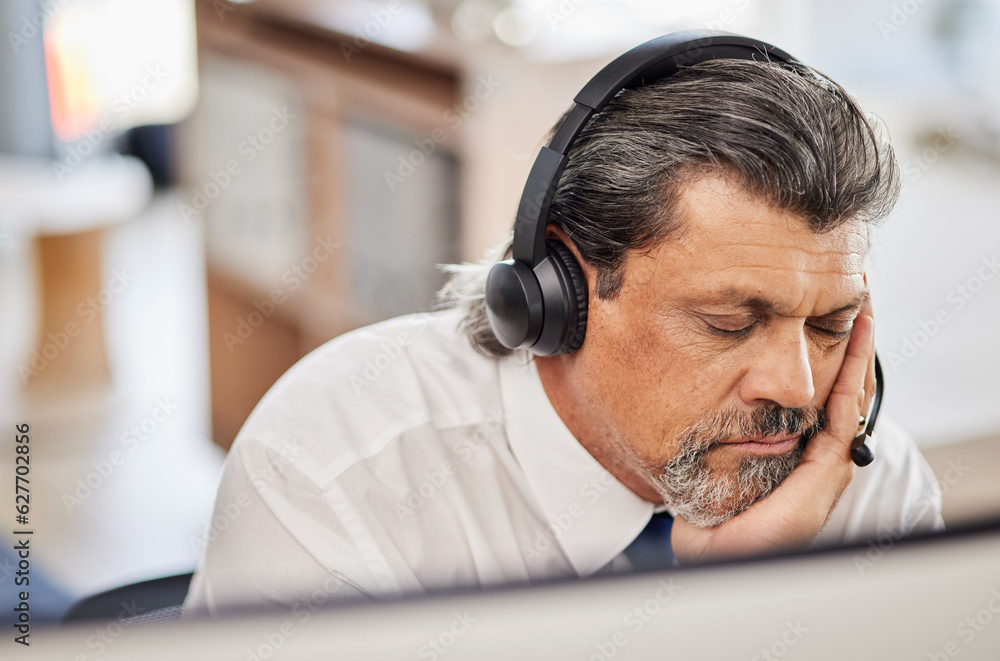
<point x="706" y="499"/>
<point x="722" y="426"/>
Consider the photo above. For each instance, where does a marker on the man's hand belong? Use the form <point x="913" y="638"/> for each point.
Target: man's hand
<point x="791" y="515"/>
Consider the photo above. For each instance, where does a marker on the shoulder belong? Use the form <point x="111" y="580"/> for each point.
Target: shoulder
<point x="899" y="467"/>
<point x="896" y="495"/>
<point x="348" y="399"/>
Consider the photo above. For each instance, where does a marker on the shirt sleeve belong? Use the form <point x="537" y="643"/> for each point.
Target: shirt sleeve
<point x="250" y="559"/>
<point x="897" y="495"/>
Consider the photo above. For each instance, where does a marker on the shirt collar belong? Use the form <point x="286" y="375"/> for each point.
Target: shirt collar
<point x="592" y="515"/>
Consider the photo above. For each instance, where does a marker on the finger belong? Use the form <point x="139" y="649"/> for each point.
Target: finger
<point x="843" y="407"/>
<point x="868" y="394"/>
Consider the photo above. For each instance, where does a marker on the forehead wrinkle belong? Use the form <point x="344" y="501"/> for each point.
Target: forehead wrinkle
<point x="813" y="248"/>
<point x="771" y="267"/>
<point x="729" y="205"/>
<point x="777" y="252"/>
<point x="743" y="299"/>
<point x="788" y="233"/>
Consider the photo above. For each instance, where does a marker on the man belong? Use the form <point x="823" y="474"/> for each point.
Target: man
<point x="720" y="220"/>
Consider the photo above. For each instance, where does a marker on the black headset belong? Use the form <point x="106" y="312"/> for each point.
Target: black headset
<point x="538" y="299"/>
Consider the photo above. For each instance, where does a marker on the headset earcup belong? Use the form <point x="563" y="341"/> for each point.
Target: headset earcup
<point x="572" y="276"/>
<point x="514" y="304"/>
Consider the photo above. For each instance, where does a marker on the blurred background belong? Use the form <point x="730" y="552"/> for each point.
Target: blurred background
<point x="196" y="193"/>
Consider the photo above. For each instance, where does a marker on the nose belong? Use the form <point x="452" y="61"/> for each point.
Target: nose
<point x="780" y="372"/>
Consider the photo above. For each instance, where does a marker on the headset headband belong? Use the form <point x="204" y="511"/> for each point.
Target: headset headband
<point x="648" y="62"/>
<point x="538" y="299"/>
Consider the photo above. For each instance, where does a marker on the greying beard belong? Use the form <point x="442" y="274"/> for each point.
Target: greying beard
<point x="706" y="499"/>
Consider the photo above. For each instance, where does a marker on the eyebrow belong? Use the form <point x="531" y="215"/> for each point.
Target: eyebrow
<point x="758" y="304"/>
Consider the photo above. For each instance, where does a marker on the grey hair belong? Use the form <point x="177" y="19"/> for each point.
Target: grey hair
<point x="785" y="132"/>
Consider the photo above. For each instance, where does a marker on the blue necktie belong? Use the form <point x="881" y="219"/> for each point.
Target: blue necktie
<point x="651" y="549"/>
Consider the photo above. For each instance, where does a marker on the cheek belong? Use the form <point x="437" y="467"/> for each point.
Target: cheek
<point x="648" y="381"/>
<point x="826" y="369"/>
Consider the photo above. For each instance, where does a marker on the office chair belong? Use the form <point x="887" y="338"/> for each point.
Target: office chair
<point x="156" y="600"/>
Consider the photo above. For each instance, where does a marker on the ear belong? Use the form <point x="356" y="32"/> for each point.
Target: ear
<point x="589" y="271"/>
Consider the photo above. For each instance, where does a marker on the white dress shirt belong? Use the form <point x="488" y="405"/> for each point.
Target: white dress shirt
<point x="396" y="460"/>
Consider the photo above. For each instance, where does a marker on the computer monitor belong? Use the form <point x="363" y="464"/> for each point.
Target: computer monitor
<point x="933" y="598"/>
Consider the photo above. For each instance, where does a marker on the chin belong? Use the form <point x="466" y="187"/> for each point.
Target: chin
<point x="708" y="496"/>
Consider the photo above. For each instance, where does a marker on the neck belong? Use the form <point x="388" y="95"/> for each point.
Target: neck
<point x="589" y="423"/>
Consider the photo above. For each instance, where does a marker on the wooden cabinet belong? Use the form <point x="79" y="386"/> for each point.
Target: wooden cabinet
<point x="325" y="197"/>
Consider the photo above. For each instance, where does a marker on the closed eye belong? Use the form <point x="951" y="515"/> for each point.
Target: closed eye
<point x="722" y="329"/>
<point x="833" y="334"/>
<point x="735" y="330"/>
